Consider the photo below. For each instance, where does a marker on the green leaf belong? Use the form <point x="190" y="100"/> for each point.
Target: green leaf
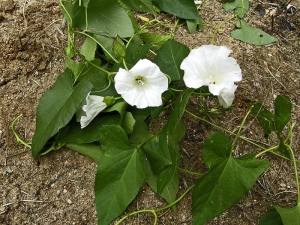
<point x="140" y="133"/>
<point x="251" y="35"/>
<point x="283" y="110"/>
<point x="119" y="174"/>
<point x="228" y="179"/>
<point x="91" y="132"/>
<point x="192" y="25"/>
<point x="240" y="7"/>
<point x="140" y="5"/>
<point x="185" y="9"/>
<point x="128" y="123"/>
<point x="88" y="49"/>
<point x="119" y="47"/>
<point x="106" y="43"/>
<point x="97" y="77"/>
<point x="282" y="148"/>
<point x="155" y="39"/>
<point x="103" y="17"/>
<point x="169" y="192"/>
<point x="92" y="151"/>
<point x="156" y="154"/>
<point x="57" y="107"/>
<point x="76" y="67"/>
<point x="289" y="216"/>
<point x="169" y="58"/>
<point x="271" y="217"/>
<point x="134" y="53"/>
<point x="264" y="117"/>
<point x="166" y="150"/>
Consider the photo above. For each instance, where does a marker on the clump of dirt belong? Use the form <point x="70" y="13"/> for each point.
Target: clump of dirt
<point x="58" y="188"/>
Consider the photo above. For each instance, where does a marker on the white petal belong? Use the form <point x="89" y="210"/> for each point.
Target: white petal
<point x="210" y="65"/>
<point x="94" y="105"/>
<point x="148" y="94"/>
<point x="226" y="97"/>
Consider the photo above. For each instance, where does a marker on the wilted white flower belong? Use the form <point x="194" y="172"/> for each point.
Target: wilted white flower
<point x="94" y="105"/>
<point x="142" y="85"/>
<point x="226" y="97"/>
<point x="210" y="66"/>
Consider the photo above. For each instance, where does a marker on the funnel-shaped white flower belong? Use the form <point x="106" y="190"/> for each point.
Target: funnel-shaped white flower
<point x="142" y="85"/>
<point x="210" y="66"/>
<point x="94" y="105"/>
<point x="226" y="97"/>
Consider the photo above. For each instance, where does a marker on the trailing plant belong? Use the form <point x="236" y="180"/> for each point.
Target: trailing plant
<point x="124" y="76"/>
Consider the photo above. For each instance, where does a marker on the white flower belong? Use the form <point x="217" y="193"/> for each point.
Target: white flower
<point x="226" y="97"/>
<point x="94" y="105"/>
<point x="210" y="66"/>
<point x="142" y="85"/>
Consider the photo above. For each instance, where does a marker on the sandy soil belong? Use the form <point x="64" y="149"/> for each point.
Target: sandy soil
<point x="58" y="188"/>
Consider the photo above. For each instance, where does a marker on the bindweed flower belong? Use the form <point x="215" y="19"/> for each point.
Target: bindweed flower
<point x="226" y="97"/>
<point x="210" y="66"/>
<point x="142" y="85"/>
<point x="93" y="106"/>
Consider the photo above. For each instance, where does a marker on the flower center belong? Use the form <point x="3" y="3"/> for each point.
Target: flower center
<point x="212" y="79"/>
<point x="140" y="80"/>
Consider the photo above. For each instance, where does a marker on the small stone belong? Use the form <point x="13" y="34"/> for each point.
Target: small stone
<point x="69" y="201"/>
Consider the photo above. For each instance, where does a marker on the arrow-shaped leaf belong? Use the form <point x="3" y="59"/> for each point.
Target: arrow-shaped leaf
<point x="228" y="179"/>
<point x="283" y="109"/>
<point x="289" y="216"/>
<point x="240" y="7"/>
<point x="185" y="9"/>
<point x="169" y="58"/>
<point x="119" y="175"/>
<point x="57" y="107"/>
<point x="251" y="35"/>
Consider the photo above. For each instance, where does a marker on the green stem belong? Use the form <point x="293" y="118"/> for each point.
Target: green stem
<point x="266" y="150"/>
<point x="124" y="63"/>
<point x="218" y="27"/>
<point x="296" y="171"/>
<point x="189" y="172"/>
<point x="66" y="11"/>
<point x="104" y="89"/>
<point x="54" y="147"/>
<point x="225" y="130"/>
<point x="176" y="201"/>
<point x="240" y="129"/>
<point x="19" y="140"/>
<point x="140" y="211"/>
<point x="156" y="210"/>
<point x="104" y="49"/>
<point x="87" y="61"/>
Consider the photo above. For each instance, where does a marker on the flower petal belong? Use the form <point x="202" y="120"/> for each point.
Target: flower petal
<point x="145" y="94"/>
<point x="210" y="65"/>
<point x="94" y="105"/>
<point x="226" y="97"/>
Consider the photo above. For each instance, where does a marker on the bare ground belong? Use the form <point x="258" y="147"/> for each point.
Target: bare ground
<point x="58" y="188"/>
